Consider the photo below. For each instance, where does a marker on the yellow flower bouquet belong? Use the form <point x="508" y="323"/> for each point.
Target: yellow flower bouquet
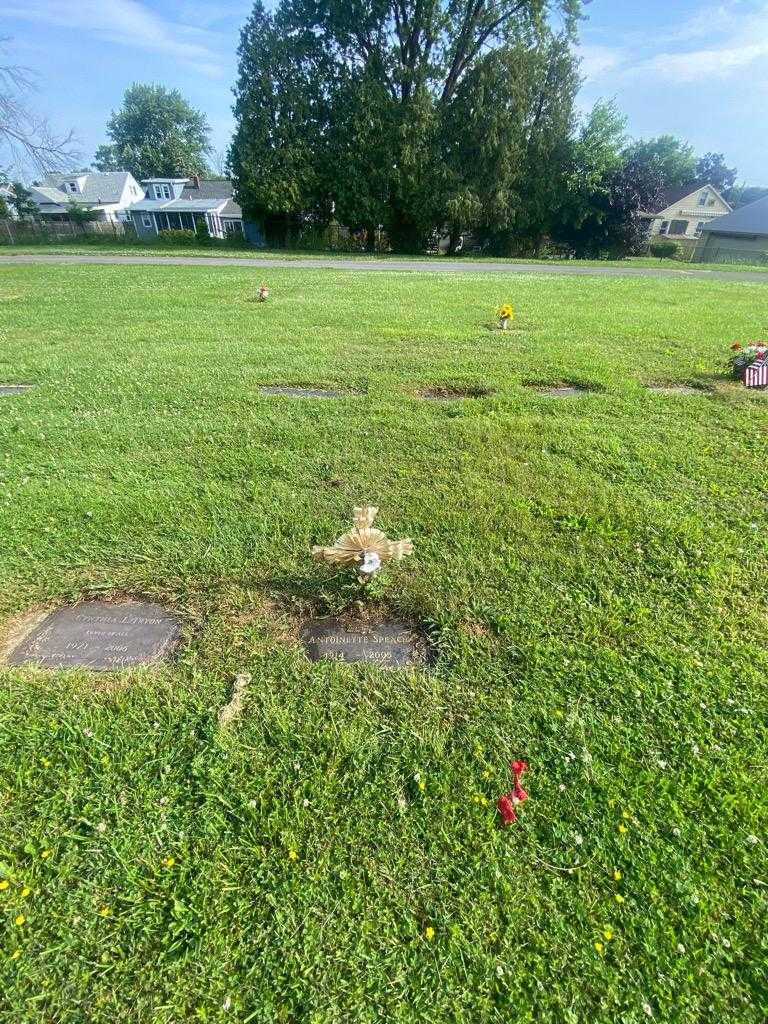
<point x="506" y="315"/>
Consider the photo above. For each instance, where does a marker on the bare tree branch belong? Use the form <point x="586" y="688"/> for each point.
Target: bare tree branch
<point x="29" y="138"/>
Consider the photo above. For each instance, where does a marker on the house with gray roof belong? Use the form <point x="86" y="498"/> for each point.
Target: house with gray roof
<point x="741" y="237"/>
<point x="180" y="204"/>
<point x="110" y="193"/>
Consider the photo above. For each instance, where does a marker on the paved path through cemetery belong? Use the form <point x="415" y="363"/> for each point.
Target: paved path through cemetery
<point x="430" y="266"/>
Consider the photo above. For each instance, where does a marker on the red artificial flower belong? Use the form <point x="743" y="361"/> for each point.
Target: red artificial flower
<point x="508" y="801"/>
<point x="506" y="810"/>
<point x="736" y="347"/>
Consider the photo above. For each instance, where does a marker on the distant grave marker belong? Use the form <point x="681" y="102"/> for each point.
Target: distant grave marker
<point x="452" y="394"/>
<point x="304" y="392"/>
<point x="562" y="391"/>
<point x="386" y="644"/>
<point x="100" y="636"/>
<point x="14" y="389"/>
<point x="675" y="389"/>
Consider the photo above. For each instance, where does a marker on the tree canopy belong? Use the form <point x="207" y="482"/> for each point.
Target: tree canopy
<point x="404" y="113"/>
<point x="427" y="117"/>
<point x="156" y="132"/>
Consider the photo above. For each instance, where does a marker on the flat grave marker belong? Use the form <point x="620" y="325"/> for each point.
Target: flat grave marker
<point x="562" y="391"/>
<point x="388" y="644"/>
<point x="304" y="392"/>
<point x="14" y="389"/>
<point x="100" y="636"/>
<point x="452" y="394"/>
<point x="675" y="389"/>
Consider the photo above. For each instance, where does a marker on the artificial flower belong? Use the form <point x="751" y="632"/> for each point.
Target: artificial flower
<point x="508" y="801"/>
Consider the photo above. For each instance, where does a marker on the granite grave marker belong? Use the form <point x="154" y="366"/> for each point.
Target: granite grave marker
<point x="386" y="644"/>
<point x="100" y="636"/>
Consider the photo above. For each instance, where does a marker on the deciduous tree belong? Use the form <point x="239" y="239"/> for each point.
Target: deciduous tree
<point x="155" y="133"/>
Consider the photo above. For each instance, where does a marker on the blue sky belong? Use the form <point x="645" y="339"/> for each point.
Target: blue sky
<point x="691" y="68"/>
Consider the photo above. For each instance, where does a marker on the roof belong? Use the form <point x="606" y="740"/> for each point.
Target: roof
<point x="670" y="196"/>
<point x="747" y="220"/>
<point x="231" y="209"/>
<point x="180" y="205"/>
<point x="207" y="188"/>
<point x="98" y="187"/>
<point x="159" y="181"/>
<point x="49" y="195"/>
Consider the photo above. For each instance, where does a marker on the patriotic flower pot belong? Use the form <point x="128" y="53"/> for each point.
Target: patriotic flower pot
<point x="750" y="364"/>
<point x="756" y="374"/>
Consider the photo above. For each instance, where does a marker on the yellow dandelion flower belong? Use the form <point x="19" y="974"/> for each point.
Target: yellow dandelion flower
<point x="292" y="855"/>
<point x="45" y="854"/>
<point x="483" y="800"/>
<point x="611" y="803"/>
<point x="422" y="786"/>
<point x="20" y="919"/>
<point x="617" y="875"/>
<point x="623" y="829"/>
<point x="607" y="934"/>
<point x="558" y="713"/>
<point x="476" y="799"/>
<point x="169" y="861"/>
<point x="619" y="898"/>
<point x="626" y="815"/>
<point x="25" y="892"/>
<point x="599" y="947"/>
<point x="105" y="912"/>
<point x="15" y="954"/>
<point x="4" y="885"/>
<point x="486" y="774"/>
<point x="429" y="933"/>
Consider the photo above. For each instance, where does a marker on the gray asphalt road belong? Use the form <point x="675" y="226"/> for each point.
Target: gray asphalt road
<point x="423" y="266"/>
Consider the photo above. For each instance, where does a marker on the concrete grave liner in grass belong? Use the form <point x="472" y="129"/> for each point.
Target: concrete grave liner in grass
<point x="14" y="389"/>
<point x="100" y="636"/>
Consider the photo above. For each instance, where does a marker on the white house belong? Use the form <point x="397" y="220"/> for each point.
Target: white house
<point x="110" y="193"/>
<point x="7" y="193"/>
<point x="685" y="212"/>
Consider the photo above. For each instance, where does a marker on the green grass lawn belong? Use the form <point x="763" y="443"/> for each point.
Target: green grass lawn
<point x="117" y="247"/>
<point x="592" y="574"/>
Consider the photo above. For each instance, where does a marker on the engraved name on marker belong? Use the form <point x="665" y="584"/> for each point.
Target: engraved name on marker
<point x="100" y="636"/>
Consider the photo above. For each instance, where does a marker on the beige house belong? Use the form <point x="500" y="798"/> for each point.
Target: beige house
<point x="687" y="211"/>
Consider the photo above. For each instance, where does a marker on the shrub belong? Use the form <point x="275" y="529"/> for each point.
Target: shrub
<point x="174" y="236"/>
<point x="203" y="234"/>
<point x="663" y="248"/>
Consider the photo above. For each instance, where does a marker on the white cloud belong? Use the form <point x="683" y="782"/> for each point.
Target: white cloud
<point x="597" y="61"/>
<point x="736" y="35"/>
<point x="128" y="23"/>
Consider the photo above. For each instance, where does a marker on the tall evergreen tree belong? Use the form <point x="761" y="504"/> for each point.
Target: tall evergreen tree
<point x="353" y="103"/>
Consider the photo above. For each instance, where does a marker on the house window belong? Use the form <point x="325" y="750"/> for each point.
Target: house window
<point x="162" y="191"/>
<point x="664" y="227"/>
<point x="146" y="220"/>
<point x="703" y="198"/>
<point x="72" y="186"/>
<point x="678" y="227"/>
<point x="699" y="228"/>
